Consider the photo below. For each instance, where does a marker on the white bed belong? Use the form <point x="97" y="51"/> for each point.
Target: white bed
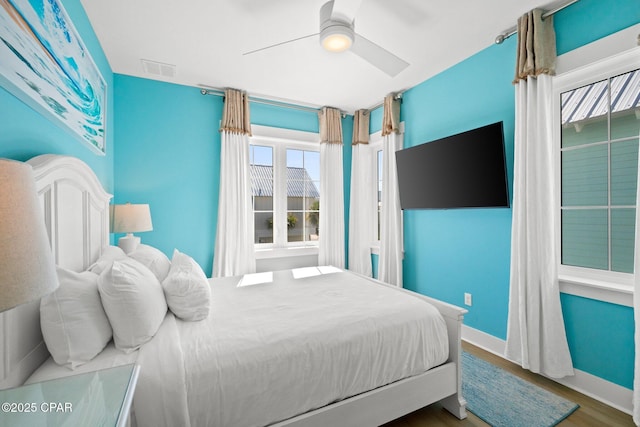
<point x="366" y="382"/>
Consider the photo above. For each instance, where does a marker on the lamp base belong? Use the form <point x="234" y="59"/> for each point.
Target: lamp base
<point x="128" y="243"/>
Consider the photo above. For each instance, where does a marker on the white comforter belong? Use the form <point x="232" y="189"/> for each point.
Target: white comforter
<point x="271" y="351"/>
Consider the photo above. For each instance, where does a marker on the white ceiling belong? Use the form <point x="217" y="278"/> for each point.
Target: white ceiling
<point x="206" y="39"/>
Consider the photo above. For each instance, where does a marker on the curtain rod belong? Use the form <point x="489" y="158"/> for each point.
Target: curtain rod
<point x="512" y="30"/>
<point x="220" y="92"/>
<point x="380" y="104"/>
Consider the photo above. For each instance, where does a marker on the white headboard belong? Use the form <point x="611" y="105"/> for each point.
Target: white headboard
<point x="76" y="214"/>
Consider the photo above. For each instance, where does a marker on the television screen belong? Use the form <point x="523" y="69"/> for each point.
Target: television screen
<point x="466" y="170"/>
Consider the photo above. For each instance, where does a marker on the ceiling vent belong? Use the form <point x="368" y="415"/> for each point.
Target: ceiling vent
<point x="158" y="68"/>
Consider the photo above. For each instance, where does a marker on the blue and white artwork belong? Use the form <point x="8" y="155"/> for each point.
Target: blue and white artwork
<point x="44" y="63"/>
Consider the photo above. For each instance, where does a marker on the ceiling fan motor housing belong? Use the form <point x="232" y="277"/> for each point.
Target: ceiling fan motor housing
<point x="335" y="35"/>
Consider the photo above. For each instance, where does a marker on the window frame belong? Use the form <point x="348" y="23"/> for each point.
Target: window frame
<point x="280" y="140"/>
<point x="603" y="285"/>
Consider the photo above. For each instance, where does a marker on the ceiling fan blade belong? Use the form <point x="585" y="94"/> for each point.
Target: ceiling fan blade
<point x="279" y="44"/>
<point x="378" y="56"/>
<point x="345" y="10"/>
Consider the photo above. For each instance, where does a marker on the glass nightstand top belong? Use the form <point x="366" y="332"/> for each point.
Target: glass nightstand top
<point x="99" y="398"/>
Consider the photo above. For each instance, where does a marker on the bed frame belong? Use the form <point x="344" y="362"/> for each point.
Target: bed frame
<point x="76" y="214"/>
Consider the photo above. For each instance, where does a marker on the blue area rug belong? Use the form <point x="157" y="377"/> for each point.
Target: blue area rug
<point x="505" y="400"/>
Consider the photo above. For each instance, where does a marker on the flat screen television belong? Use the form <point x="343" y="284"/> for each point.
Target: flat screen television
<point x="467" y="170"/>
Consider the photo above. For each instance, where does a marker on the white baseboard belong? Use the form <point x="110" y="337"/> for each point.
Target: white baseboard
<point x="595" y="387"/>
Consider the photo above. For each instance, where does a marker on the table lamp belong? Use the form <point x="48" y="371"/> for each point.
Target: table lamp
<point x="129" y="218"/>
<point x="27" y="268"/>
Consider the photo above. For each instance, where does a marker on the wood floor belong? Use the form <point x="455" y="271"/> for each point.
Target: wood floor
<point x="590" y="413"/>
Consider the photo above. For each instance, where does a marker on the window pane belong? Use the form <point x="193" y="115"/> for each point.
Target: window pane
<point x="625" y="105"/>
<point x="261" y="164"/>
<point x="585" y="238"/>
<point x="622" y="239"/>
<point x="263" y="227"/>
<point x="585" y="176"/>
<point x="313" y="221"/>
<point x="312" y="164"/>
<point x="263" y="203"/>
<point x="294" y="158"/>
<point x="584" y="114"/>
<point x="379" y="190"/>
<point x="624" y="168"/>
<point x="295" y="227"/>
<point x="303" y="195"/>
<point x="261" y="161"/>
<point x="261" y="155"/>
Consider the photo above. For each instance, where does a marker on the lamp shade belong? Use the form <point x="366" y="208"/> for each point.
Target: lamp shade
<point x="129" y="218"/>
<point x="27" y="269"/>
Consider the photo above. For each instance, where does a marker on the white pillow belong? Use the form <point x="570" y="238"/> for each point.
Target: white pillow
<point x="153" y="259"/>
<point x="186" y="288"/>
<point x="134" y="302"/>
<point x="109" y="254"/>
<point x="74" y="325"/>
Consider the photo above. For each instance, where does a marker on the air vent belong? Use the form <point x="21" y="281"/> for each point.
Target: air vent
<point x="158" y="68"/>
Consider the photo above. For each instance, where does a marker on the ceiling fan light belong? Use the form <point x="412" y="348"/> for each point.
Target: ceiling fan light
<point x="336" y="38"/>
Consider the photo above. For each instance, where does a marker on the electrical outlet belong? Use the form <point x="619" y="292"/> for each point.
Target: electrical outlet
<point x="467" y="299"/>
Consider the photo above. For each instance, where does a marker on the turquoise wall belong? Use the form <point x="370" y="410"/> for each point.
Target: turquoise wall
<point x="24" y="133"/>
<point x="169" y="156"/>
<point x="450" y="252"/>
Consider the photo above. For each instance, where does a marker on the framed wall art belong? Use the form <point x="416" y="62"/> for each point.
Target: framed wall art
<point x="45" y="64"/>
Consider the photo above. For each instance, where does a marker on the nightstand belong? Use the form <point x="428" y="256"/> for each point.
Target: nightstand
<point x="98" y="398"/>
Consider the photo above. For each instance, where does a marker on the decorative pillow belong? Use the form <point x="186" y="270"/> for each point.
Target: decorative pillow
<point x="134" y="302"/>
<point x="186" y="288"/>
<point x="74" y="325"/>
<point x="153" y="259"/>
<point x="109" y="254"/>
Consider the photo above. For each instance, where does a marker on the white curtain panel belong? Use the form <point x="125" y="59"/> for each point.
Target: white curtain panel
<point x="536" y="337"/>
<point x="636" y="309"/>
<point x="331" y="250"/>
<point x="234" y="250"/>
<point x="363" y="209"/>
<point x="391" y="239"/>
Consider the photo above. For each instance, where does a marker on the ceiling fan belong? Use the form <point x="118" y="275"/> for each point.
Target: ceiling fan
<point x="337" y="34"/>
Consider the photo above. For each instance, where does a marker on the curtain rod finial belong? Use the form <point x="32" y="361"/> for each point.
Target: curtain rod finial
<point x="203" y="91"/>
<point x="500" y="38"/>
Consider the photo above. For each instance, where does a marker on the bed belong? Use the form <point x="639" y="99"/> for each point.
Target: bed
<point x="347" y="375"/>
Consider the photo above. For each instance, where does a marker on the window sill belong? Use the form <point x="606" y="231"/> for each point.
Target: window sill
<point x="286" y="252"/>
<point x="597" y="289"/>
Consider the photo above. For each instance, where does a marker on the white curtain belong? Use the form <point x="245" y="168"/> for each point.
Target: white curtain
<point x="331" y="250"/>
<point x="362" y="212"/>
<point x="636" y="309"/>
<point x="234" y="250"/>
<point x="391" y="238"/>
<point x="536" y="336"/>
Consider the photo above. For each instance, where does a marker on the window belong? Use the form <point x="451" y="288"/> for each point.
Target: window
<point x="303" y="195"/>
<point x="379" y="192"/>
<point x="285" y="187"/>
<point x="262" y="190"/>
<point x="599" y="163"/>
<point x="598" y="132"/>
<point x="375" y="145"/>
